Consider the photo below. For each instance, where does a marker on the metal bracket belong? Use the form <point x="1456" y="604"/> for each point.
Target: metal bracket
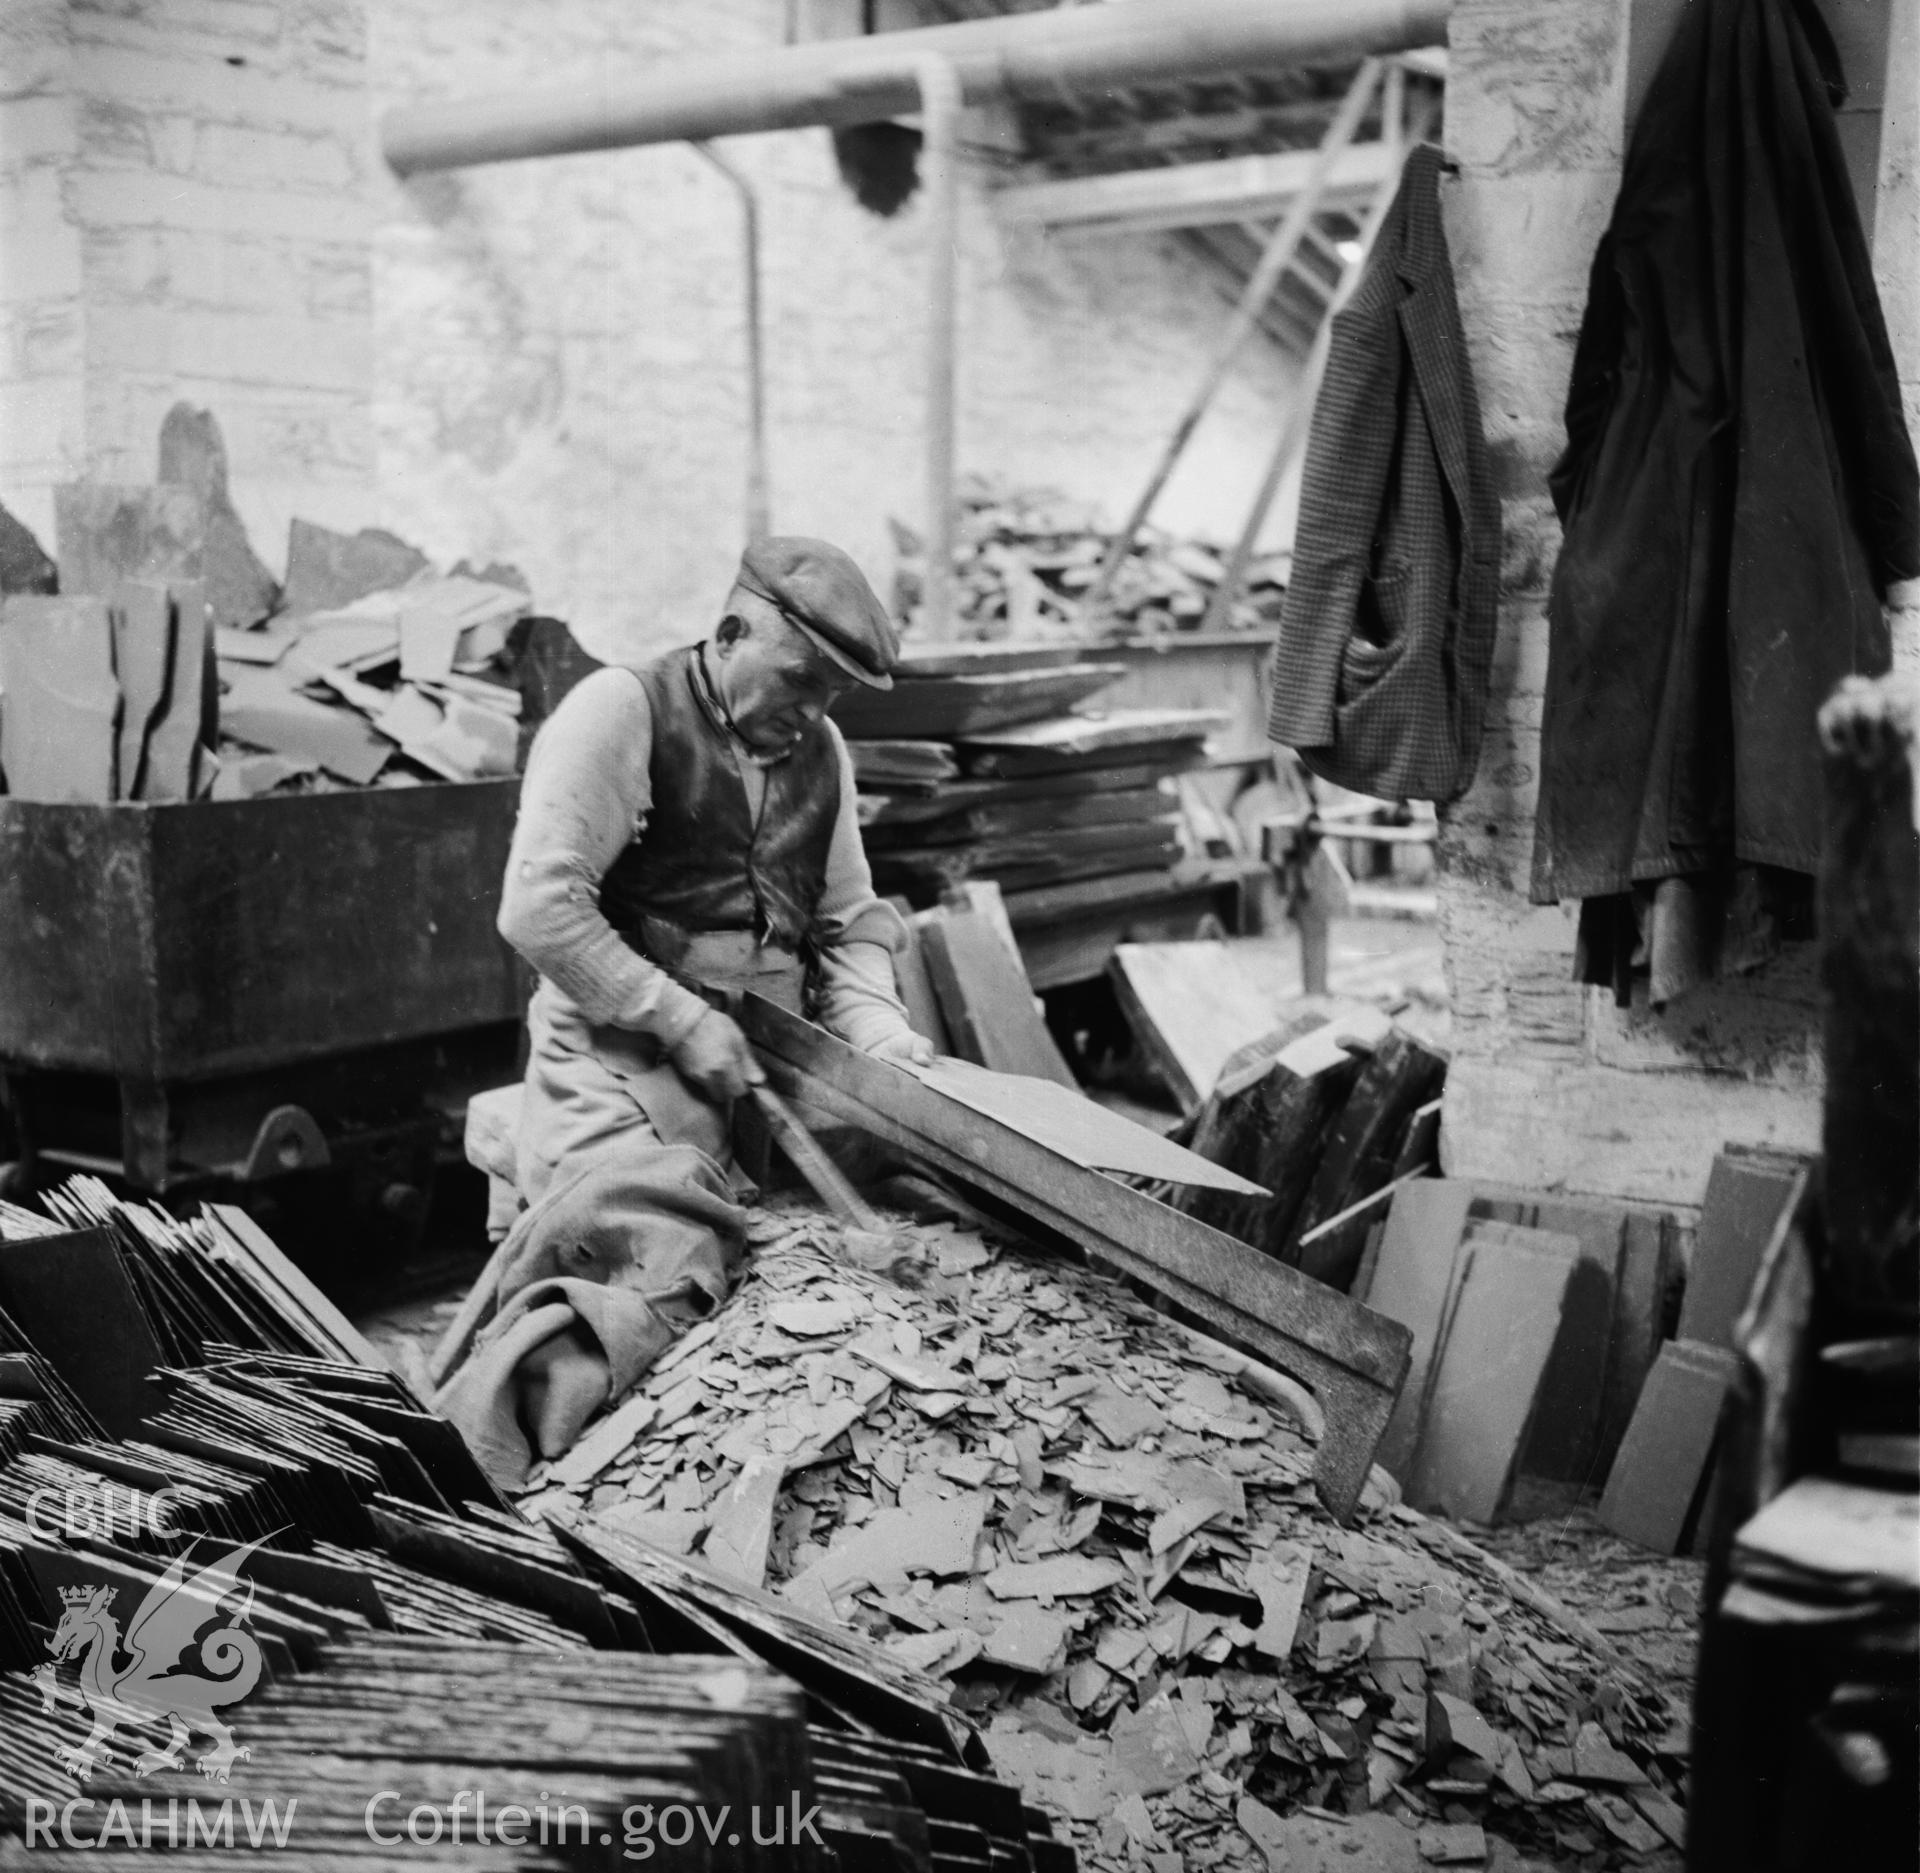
<point x="288" y="1140"/>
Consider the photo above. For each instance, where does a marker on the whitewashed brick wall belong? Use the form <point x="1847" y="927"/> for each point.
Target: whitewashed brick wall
<point x="185" y="192"/>
<point x="561" y="356"/>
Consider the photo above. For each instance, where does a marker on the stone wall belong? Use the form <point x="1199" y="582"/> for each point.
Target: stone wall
<point x="541" y="362"/>
<point x="184" y="213"/>
<point x="1551" y="1083"/>
<point x="561" y="352"/>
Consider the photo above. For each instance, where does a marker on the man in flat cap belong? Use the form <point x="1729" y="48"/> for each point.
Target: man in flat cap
<point x="686" y="827"/>
<point x="693" y="821"/>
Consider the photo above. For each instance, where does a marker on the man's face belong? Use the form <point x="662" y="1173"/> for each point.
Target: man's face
<point x="774" y="684"/>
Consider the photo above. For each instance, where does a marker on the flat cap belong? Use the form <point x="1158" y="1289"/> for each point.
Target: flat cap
<point x="820" y="591"/>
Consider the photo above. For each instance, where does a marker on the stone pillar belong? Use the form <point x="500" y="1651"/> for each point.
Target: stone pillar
<point x="1551" y="1084"/>
<point x="185" y="214"/>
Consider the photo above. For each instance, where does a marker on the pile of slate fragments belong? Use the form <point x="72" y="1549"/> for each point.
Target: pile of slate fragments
<point x="1012" y="1473"/>
<point x="1027" y="559"/>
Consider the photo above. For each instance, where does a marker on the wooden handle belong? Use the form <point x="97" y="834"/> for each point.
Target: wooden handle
<point x="820" y="1171"/>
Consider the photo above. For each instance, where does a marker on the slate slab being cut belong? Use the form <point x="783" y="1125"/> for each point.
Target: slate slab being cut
<point x="1746" y="1194"/>
<point x="1072" y="1125"/>
<point x="1351" y="1358"/>
<point x="59" y="714"/>
<point x="1659" y="1476"/>
<point x="987" y="1000"/>
<point x="1510" y="1291"/>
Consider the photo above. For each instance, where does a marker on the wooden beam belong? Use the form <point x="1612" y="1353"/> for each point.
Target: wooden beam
<point x="1126" y="144"/>
<point x="1352" y="1359"/>
<point x="1194" y="194"/>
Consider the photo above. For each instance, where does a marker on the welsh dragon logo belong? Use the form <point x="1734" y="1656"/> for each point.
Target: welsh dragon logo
<point x="158" y="1683"/>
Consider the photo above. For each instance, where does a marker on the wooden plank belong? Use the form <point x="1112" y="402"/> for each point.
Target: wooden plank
<point x="1655" y="1489"/>
<point x="1352" y="1359"/>
<point x="1190" y="1005"/>
<point x="987" y="1001"/>
<point x="1512" y="1289"/>
<point x="1186" y="195"/>
<point x="1358" y="1157"/>
<point x="1412" y="1278"/>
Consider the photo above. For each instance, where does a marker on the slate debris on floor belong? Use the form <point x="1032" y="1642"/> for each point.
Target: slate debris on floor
<point x="1022" y="1479"/>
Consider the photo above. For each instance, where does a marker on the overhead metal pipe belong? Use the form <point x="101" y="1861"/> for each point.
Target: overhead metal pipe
<point x="1033" y="56"/>
<point x="759" y="496"/>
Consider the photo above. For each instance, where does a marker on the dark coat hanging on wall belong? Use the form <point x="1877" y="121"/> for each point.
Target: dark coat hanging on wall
<point x="1738" y="488"/>
<point x="1380" y="676"/>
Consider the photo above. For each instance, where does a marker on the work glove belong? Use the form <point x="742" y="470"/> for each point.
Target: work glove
<point x="714" y="1058"/>
<point x="905" y="1049"/>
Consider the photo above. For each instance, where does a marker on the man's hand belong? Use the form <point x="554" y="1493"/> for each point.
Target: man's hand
<point x="713" y="1056"/>
<point x="905" y="1049"/>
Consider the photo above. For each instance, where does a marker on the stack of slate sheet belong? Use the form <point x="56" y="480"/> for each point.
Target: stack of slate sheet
<point x="353" y="1617"/>
<point x="968" y="768"/>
